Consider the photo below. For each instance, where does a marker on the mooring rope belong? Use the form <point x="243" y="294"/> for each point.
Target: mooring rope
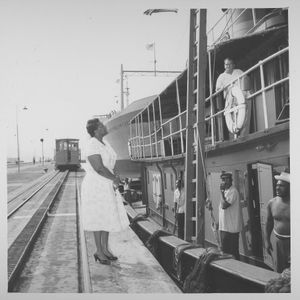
<point x="152" y="242"/>
<point x="137" y="218"/>
<point x="177" y="256"/>
<point x="197" y="281"/>
<point x="280" y="284"/>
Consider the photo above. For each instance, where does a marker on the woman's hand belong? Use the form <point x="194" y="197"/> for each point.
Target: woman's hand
<point x="116" y="182"/>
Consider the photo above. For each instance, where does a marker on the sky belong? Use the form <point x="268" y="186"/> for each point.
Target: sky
<point x="62" y="60"/>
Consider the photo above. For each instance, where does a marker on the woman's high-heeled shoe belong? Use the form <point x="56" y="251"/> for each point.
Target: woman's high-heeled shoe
<point x="102" y="261"/>
<point x="111" y="257"/>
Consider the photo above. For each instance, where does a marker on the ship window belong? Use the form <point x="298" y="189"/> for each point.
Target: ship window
<point x="194" y="229"/>
<point x="165" y="181"/>
<point x="172" y="182"/>
<point x="194" y="211"/>
<point x="194" y="189"/>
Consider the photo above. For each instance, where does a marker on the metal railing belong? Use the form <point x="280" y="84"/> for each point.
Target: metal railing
<point x="253" y="95"/>
<point x="157" y="144"/>
<point x="148" y="146"/>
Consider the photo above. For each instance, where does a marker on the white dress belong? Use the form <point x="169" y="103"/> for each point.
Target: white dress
<point x="102" y="207"/>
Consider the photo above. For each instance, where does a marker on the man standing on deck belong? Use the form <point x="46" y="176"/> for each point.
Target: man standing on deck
<point x="278" y="220"/>
<point x="230" y="223"/>
<point x="179" y="202"/>
<point x="228" y="76"/>
<point x="127" y="191"/>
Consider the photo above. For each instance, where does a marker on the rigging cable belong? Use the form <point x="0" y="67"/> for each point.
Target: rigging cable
<point x="213" y="223"/>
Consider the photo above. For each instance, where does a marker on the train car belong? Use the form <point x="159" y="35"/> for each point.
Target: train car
<point x="67" y="154"/>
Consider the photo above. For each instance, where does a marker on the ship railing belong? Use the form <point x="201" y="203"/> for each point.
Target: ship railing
<point x="165" y="141"/>
<point x="259" y="96"/>
<point x="265" y="101"/>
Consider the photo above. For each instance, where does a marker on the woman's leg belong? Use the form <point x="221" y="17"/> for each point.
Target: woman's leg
<point x="104" y="243"/>
<point x="98" y="241"/>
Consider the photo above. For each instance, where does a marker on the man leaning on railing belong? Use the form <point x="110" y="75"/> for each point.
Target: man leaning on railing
<point x="228" y="75"/>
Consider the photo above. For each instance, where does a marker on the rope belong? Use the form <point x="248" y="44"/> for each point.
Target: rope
<point x="280" y="284"/>
<point x="197" y="281"/>
<point x="177" y="256"/>
<point x="208" y="201"/>
<point x="152" y="242"/>
<point x="176" y="218"/>
<point x="137" y="218"/>
<point x="215" y="230"/>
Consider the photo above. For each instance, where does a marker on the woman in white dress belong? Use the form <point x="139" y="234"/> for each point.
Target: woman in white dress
<point x="102" y="206"/>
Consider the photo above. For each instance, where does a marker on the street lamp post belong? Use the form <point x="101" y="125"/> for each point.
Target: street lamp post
<point x="18" y="144"/>
<point x="42" y="140"/>
<point x="33" y="159"/>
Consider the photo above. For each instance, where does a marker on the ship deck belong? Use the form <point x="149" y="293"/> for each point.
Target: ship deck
<point x="225" y="276"/>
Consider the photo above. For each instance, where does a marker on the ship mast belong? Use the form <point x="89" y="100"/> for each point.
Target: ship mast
<point x="140" y="73"/>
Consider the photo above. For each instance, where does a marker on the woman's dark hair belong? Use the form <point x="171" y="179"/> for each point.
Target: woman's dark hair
<point x="92" y="125"/>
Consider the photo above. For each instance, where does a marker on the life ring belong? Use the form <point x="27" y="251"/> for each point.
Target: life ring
<point x="235" y="110"/>
<point x="129" y="149"/>
<point x="156" y="190"/>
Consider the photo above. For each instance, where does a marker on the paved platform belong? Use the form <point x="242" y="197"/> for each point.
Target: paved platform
<point x="136" y="270"/>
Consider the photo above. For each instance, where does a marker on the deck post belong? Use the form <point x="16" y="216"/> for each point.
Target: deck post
<point x="200" y="169"/>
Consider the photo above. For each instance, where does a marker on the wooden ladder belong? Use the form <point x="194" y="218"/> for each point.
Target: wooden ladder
<point x="195" y="175"/>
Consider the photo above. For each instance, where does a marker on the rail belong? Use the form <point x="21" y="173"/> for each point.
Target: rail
<point x="22" y="245"/>
<point x="159" y="145"/>
<point x="11" y="211"/>
<point x="255" y="95"/>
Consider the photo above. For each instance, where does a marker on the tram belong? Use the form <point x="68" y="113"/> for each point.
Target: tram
<point x="67" y="154"/>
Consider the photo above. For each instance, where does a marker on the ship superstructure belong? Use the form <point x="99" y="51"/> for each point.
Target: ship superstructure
<point x="193" y="132"/>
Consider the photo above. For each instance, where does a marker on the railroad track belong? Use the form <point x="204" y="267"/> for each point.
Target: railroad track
<point x="55" y="225"/>
<point x="16" y="201"/>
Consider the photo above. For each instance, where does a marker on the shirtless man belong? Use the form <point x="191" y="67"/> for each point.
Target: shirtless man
<point x="278" y="220"/>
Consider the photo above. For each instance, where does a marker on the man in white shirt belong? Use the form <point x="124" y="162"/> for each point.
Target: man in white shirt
<point x="229" y="75"/>
<point x="230" y="223"/>
<point x="179" y="207"/>
<point x="127" y="191"/>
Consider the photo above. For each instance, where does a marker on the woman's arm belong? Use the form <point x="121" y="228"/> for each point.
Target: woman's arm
<point x="97" y="164"/>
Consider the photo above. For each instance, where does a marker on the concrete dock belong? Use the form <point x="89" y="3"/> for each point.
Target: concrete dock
<point x="136" y="270"/>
